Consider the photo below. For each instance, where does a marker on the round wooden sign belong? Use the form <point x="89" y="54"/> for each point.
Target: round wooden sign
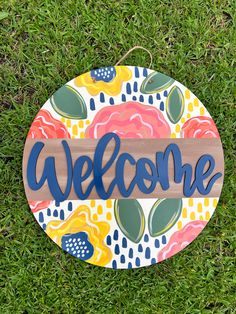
<point x="123" y="167"/>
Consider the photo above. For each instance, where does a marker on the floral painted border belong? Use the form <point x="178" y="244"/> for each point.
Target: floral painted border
<point x="149" y="104"/>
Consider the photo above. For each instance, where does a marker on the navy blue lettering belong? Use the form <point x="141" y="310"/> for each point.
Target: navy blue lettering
<point x="143" y="174"/>
<point x="49" y="172"/>
<point x="147" y="174"/>
<point x="79" y="178"/>
<point x="99" y="170"/>
<point x="120" y="174"/>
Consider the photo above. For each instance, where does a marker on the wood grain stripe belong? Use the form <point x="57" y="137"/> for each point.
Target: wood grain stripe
<point x="191" y="149"/>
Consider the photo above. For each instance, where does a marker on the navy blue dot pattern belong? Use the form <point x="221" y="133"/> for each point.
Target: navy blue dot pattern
<point x="131" y="93"/>
<point x="105" y="74"/>
<point x="126" y="257"/>
<point x="77" y="244"/>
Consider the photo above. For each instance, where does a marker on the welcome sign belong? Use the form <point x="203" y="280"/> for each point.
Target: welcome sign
<point x="123" y="167"/>
<point x="111" y="168"/>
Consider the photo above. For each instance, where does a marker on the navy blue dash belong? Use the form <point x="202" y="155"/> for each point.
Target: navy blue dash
<point x="137" y="261"/>
<point x="147" y="253"/>
<point x="62" y="216"/>
<point x="162" y="106"/>
<point x="108" y="240"/>
<point x="157" y="243"/>
<point x="141" y="98"/>
<point x="111" y="101"/>
<point x="92" y="104"/>
<point x="128" y="88"/>
<point x="163" y="240"/>
<point x="146" y="238"/>
<point x="140" y="248"/>
<point x="150" y="100"/>
<point x="136" y="72"/>
<point x="122" y="259"/>
<point x="70" y="206"/>
<point x="117" y="249"/>
<point x="102" y="97"/>
<point x="115" y="235"/>
<point x="114" y="265"/>
<point x="124" y="243"/>
<point x="41" y="218"/>
<point x="131" y="253"/>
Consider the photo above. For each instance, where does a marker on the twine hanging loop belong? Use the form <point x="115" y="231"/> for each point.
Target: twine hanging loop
<point x="134" y="48"/>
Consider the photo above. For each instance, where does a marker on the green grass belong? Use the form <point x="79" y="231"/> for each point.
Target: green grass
<point x="46" y="43"/>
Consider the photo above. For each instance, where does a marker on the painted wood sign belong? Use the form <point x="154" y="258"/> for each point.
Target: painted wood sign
<point x="123" y="167"/>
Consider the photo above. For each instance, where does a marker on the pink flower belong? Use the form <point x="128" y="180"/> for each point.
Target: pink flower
<point x="180" y="239"/>
<point x="45" y="126"/>
<point x="129" y="120"/>
<point x="199" y="127"/>
<point x="38" y="205"/>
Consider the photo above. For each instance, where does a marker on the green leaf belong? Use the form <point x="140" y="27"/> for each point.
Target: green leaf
<point x="130" y="218"/>
<point x="3" y="15"/>
<point x="175" y="104"/>
<point x="163" y="215"/>
<point x="67" y="102"/>
<point x="155" y="83"/>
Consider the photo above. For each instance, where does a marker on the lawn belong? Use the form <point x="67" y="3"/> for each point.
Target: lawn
<point x="46" y="43"/>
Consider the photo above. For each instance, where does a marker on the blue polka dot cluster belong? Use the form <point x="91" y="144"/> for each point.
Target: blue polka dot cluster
<point x="106" y="74"/>
<point x="77" y="244"/>
<point x="126" y="256"/>
<point x="131" y="90"/>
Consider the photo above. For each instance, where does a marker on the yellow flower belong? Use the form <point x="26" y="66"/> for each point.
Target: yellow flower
<point x="96" y="82"/>
<point x="80" y="221"/>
